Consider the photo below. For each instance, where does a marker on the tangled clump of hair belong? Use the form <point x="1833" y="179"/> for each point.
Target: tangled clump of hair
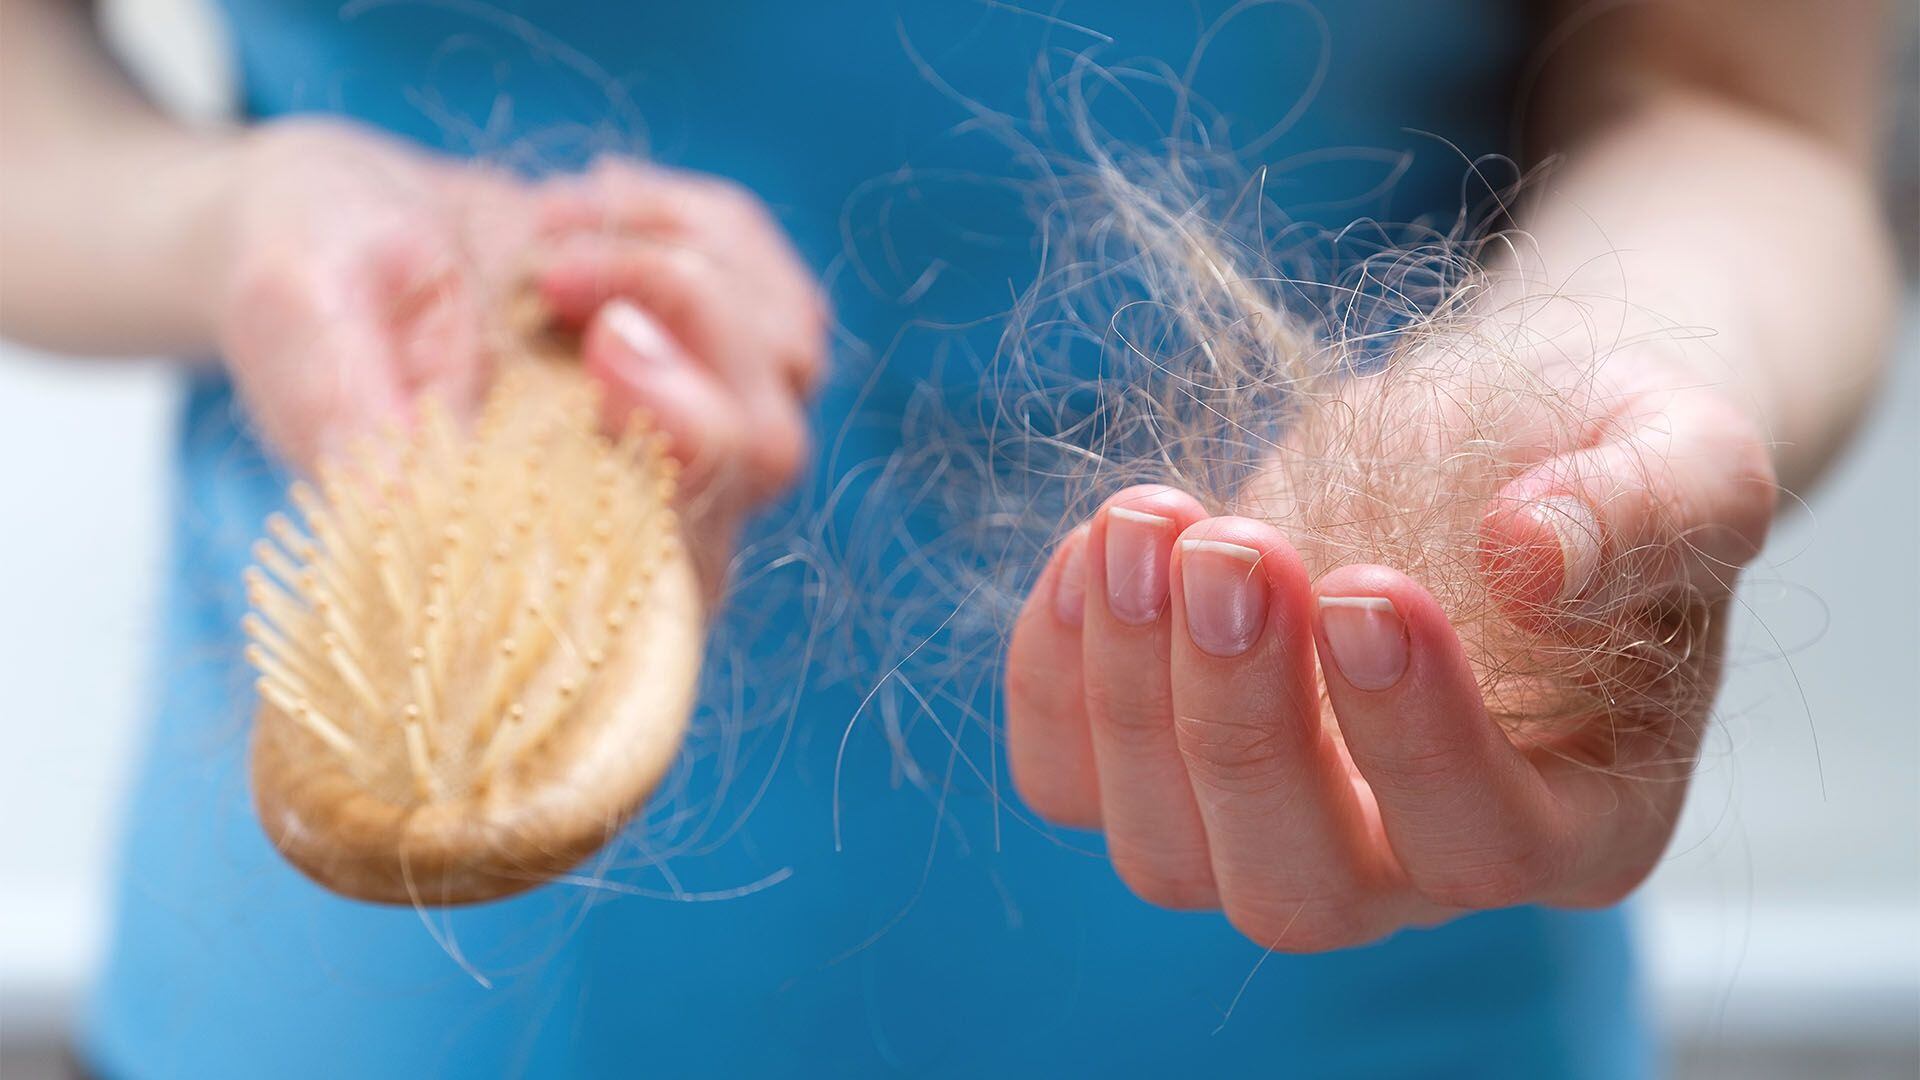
<point x="1185" y="332"/>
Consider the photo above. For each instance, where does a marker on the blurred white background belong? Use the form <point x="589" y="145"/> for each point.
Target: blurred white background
<point x="1782" y="935"/>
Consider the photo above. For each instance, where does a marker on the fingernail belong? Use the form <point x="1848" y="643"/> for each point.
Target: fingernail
<point x="1578" y="532"/>
<point x="648" y="343"/>
<point x="1070" y="588"/>
<point x="1137" y="556"/>
<point x="1225" y="595"/>
<point x="1367" y="638"/>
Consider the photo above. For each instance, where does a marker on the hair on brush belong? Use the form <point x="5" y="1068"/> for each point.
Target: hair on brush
<point x="477" y="655"/>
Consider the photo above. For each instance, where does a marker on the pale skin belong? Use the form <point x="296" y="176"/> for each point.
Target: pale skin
<point x="1164" y="674"/>
<point x="342" y="275"/>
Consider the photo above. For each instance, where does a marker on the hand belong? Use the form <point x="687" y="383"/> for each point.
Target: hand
<point x="357" y="278"/>
<point x="694" y="308"/>
<point x="1170" y="676"/>
<point x="362" y="274"/>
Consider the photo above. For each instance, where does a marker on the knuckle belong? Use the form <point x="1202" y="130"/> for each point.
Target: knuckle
<point x="1133" y="719"/>
<point x="1415" y="769"/>
<point x="1607" y="891"/>
<point x="1053" y="798"/>
<point x="1302" y="926"/>
<point x="1164" y="882"/>
<point x="1236" y="755"/>
<point x="1498" y="876"/>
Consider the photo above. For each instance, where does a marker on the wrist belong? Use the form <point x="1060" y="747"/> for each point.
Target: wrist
<point x="199" y="199"/>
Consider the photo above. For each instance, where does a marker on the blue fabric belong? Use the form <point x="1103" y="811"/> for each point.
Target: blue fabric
<point x="947" y="936"/>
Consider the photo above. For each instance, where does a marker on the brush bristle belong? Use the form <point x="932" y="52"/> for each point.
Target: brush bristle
<point x="450" y="598"/>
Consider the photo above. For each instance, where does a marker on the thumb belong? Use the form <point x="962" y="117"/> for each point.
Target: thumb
<point x="1678" y="499"/>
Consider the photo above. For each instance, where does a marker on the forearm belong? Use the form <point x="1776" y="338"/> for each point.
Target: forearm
<point x="109" y="236"/>
<point x="1712" y="176"/>
<point x="1751" y="249"/>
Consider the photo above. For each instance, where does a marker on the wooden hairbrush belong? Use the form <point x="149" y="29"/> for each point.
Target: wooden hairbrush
<point x="478" y="654"/>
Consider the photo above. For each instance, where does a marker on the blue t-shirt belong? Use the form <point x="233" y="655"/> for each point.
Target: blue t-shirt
<point x="728" y="934"/>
